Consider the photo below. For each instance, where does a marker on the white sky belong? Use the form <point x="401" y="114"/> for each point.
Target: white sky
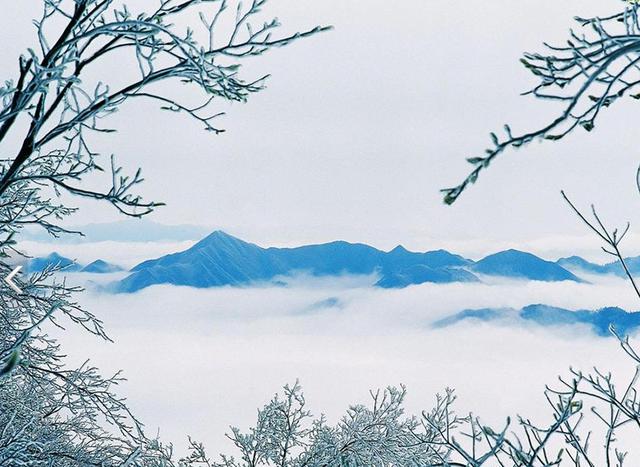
<point x="360" y="127"/>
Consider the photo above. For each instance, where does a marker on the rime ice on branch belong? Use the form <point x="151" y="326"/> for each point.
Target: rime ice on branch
<point x="599" y="64"/>
<point x="51" y="415"/>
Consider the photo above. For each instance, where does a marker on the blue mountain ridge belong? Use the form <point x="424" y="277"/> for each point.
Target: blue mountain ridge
<point x="101" y="267"/>
<point x="519" y="264"/>
<point x="579" y="265"/>
<point x="68" y="265"/>
<point x="52" y="260"/>
<point x="221" y="259"/>
<point x="599" y="320"/>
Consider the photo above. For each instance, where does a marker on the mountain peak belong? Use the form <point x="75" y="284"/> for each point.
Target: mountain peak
<point x="52" y="260"/>
<point x="220" y="237"/>
<point x="54" y="256"/>
<point x="572" y="258"/>
<point x="445" y="258"/>
<point x="513" y="252"/>
<point x="101" y="267"/>
<point x="515" y="263"/>
<point x="399" y="249"/>
<point x="220" y="234"/>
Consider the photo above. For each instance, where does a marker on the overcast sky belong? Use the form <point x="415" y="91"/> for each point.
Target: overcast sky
<point x="360" y="127"/>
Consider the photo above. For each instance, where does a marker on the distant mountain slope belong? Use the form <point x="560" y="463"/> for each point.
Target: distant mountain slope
<point x="327" y="259"/>
<point x="578" y="264"/>
<point x="442" y="258"/>
<point x="101" y="267"/>
<point x="632" y="263"/>
<point x="221" y="259"/>
<point x="599" y="321"/>
<point x="52" y="260"/>
<point x="420" y="273"/>
<point x="68" y="265"/>
<point x="519" y="264"/>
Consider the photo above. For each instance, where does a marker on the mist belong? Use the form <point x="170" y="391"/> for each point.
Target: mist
<point x="199" y="360"/>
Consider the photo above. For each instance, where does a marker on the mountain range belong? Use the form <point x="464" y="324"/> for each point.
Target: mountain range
<point x="221" y="259"/>
<point x="68" y="265"/>
<point x="580" y="265"/>
<point x="599" y="321"/>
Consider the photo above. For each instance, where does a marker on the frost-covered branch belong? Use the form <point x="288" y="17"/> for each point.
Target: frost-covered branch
<point x="598" y="65"/>
<point x="588" y="413"/>
<point x="60" y="98"/>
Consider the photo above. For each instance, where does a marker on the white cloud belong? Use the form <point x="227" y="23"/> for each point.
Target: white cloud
<point x="199" y="360"/>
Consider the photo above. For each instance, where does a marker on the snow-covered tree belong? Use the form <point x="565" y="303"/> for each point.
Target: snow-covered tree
<point x="61" y="95"/>
<point x="589" y="413"/>
<point x="597" y="66"/>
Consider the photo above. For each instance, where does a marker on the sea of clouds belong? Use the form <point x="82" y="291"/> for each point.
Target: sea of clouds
<point x="199" y="360"/>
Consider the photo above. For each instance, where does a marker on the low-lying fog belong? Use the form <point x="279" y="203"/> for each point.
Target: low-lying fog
<point x="199" y="360"/>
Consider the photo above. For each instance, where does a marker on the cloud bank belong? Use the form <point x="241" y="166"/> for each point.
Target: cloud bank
<point x="199" y="360"/>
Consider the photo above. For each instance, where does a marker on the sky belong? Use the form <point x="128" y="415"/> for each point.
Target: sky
<point x="360" y="127"/>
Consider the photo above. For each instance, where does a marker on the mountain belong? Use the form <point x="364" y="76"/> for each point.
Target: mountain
<point x="101" y="267"/>
<point x="442" y="258"/>
<point x="69" y="265"/>
<point x="218" y="259"/>
<point x="328" y="259"/>
<point x="599" y="320"/>
<point x="481" y="314"/>
<point x="522" y="265"/>
<point x="578" y="264"/>
<point x="632" y="263"/>
<point x="221" y="259"/>
<point x="420" y="273"/>
<point x="53" y="260"/>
